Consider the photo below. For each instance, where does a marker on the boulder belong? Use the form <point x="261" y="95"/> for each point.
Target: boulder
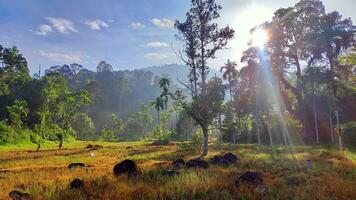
<point x="17" y="195"/>
<point x="231" y="157"/>
<point x="160" y="143"/>
<point x="98" y="146"/>
<point x="129" y="147"/>
<point x="76" y="165"/>
<point x="89" y="146"/>
<point x="128" y="167"/>
<point x="219" y="160"/>
<point x="178" y="163"/>
<point x="76" y="183"/>
<point x="197" y="163"/>
<point x="250" y="178"/>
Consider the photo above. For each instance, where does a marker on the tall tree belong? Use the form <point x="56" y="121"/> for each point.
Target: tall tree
<point x="230" y="74"/>
<point x="202" y="39"/>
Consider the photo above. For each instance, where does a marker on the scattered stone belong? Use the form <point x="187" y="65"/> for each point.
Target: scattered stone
<point x="76" y="183"/>
<point x="231" y="157"/>
<point x="197" y="163"/>
<point x="250" y="178"/>
<point x="94" y="147"/>
<point x="128" y="167"/>
<point x="98" y="146"/>
<point x="76" y="165"/>
<point x="178" y="163"/>
<point x="160" y="143"/>
<point x="170" y="173"/>
<point x="17" y="195"/>
<point x="219" y="160"/>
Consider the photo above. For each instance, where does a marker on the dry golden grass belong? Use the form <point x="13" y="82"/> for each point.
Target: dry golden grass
<point x="45" y="175"/>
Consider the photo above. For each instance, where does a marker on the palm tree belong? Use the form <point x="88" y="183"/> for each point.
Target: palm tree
<point x="164" y="84"/>
<point x="230" y="74"/>
<point x="159" y="105"/>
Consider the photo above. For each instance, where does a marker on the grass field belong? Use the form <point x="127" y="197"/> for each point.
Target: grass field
<point x="44" y="174"/>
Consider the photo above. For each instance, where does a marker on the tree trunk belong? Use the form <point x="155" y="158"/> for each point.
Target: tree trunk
<point x="341" y="147"/>
<point x="60" y="142"/>
<point x="204" y="128"/>
<point x="315" y="117"/>
<point x="38" y="146"/>
<point x="331" y="121"/>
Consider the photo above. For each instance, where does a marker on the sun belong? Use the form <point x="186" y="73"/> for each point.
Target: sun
<point x="259" y="38"/>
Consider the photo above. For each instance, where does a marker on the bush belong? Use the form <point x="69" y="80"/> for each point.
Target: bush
<point x="197" y="140"/>
<point x="10" y="136"/>
<point x="7" y="134"/>
<point x="349" y="133"/>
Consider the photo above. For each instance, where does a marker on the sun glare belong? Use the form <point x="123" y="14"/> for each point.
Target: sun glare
<point x="259" y="38"/>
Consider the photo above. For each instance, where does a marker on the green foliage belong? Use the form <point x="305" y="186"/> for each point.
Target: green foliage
<point x="83" y="126"/>
<point x="8" y="135"/>
<point x="349" y="133"/>
<point x="107" y="134"/>
<point x="17" y="113"/>
<point x="197" y="140"/>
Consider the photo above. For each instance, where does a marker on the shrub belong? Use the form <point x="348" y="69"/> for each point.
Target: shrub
<point x="7" y="134"/>
<point x="349" y="133"/>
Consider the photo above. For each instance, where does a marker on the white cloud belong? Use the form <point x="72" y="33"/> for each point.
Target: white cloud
<point x="96" y="24"/>
<point x="157" y="44"/>
<point x="61" y="57"/>
<point x="43" y="29"/>
<point x="62" y="25"/>
<point x="137" y="25"/>
<point x="163" y="23"/>
<point x="156" y="56"/>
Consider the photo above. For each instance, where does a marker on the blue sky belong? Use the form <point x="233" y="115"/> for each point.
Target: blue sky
<point x="126" y="33"/>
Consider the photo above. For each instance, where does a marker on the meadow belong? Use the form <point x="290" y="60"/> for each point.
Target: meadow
<point x="45" y="174"/>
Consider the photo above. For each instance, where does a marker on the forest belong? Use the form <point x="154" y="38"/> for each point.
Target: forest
<point x="283" y="114"/>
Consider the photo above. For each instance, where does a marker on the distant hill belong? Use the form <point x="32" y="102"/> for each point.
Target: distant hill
<point x="175" y="71"/>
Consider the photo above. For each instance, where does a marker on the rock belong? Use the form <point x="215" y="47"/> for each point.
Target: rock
<point x="219" y="160"/>
<point x="251" y="179"/>
<point x="76" y="183"/>
<point x="129" y="147"/>
<point x="197" y="163"/>
<point x="128" y="167"/>
<point x="76" y="165"/>
<point x="178" y="163"/>
<point x="160" y="143"/>
<point x="94" y="147"/>
<point x="17" y="195"/>
<point x="170" y="173"/>
<point x="231" y="157"/>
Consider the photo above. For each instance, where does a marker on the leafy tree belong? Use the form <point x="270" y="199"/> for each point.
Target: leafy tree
<point x="118" y="124"/>
<point x="202" y="39"/>
<point x="17" y="113"/>
<point x="230" y="74"/>
<point x="103" y="66"/>
<point x="83" y="126"/>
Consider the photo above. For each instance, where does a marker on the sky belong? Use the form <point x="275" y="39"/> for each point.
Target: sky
<point x="128" y="34"/>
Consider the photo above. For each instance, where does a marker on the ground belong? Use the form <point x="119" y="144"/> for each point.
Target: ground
<point x="44" y="174"/>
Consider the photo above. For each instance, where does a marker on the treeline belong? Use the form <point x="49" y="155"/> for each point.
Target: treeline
<point x="70" y="101"/>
